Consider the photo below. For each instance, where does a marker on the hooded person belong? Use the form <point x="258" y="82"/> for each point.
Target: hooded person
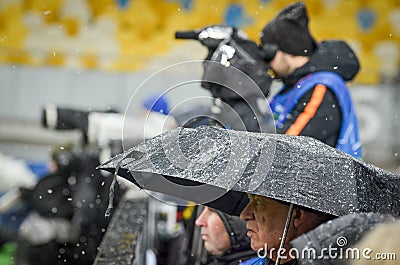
<point x="224" y="238"/>
<point x="314" y="100"/>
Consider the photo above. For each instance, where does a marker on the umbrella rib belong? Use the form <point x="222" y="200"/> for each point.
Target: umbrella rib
<point x="285" y="231"/>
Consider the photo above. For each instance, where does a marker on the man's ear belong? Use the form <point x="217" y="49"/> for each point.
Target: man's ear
<point x="299" y="217"/>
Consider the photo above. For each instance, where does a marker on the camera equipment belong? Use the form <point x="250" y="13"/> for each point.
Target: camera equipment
<point x="236" y="74"/>
<point x="230" y="47"/>
<point x="62" y="118"/>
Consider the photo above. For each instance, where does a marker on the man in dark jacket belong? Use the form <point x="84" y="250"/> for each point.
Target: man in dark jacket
<point x="224" y="237"/>
<point x="314" y="100"/>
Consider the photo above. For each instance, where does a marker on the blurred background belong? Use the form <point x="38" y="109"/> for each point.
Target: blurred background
<point x="95" y="54"/>
<point x="89" y="54"/>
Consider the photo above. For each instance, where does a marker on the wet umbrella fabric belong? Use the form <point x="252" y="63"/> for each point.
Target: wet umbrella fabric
<point x="217" y="167"/>
<point x="338" y="236"/>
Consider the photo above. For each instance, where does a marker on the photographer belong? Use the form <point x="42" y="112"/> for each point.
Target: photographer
<point x="66" y="222"/>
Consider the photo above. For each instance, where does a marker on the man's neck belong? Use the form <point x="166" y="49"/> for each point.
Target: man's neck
<point x="297" y="62"/>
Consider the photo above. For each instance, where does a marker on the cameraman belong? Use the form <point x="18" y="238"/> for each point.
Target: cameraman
<point x="314" y="100"/>
<point x="67" y="222"/>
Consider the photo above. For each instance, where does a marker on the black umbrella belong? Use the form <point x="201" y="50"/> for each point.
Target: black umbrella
<point x="217" y="167"/>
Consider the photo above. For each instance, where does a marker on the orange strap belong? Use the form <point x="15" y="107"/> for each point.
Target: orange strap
<point x="309" y="111"/>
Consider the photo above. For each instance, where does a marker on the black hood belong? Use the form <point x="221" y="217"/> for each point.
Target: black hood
<point x="237" y="232"/>
<point x="334" y="56"/>
<point x="240" y="242"/>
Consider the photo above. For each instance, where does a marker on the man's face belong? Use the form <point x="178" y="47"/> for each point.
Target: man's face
<point x="265" y="220"/>
<point x="279" y="65"/>
<point x="213" y="232"/>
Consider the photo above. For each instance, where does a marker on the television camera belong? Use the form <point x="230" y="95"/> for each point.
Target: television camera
<point x="236" y="74"/>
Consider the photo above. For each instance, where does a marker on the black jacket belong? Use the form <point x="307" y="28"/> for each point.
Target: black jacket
<point x="240" y="243"/>
<point x="334" y="56"/>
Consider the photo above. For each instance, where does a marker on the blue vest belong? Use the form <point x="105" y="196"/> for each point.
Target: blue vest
<point x="283" y="104"/>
